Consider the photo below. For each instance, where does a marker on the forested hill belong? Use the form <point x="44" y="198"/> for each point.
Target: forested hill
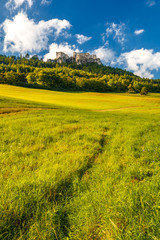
<point x="36" y="62"/>
<point x="34" y="72"/>
<point x="99" y="69"/>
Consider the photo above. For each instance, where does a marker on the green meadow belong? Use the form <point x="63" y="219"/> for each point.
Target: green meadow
<point x="79" y="166"/>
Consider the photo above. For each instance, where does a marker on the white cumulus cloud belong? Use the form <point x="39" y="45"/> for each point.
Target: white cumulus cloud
<point x="142" y="62"/>
<point x="24" y="35"/>
<point x="106" y="55"/>
<point x="151" y="3"/>
<point x="82" y="39"/>
<point x="138" y="32"/>
<point x="46" y="2"/>
<point x="13" y="4"/>
<point x="63" y="47"/>
<point x="117" y="31"/>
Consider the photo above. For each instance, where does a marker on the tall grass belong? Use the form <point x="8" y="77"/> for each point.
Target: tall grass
<point x="76" y="174"/>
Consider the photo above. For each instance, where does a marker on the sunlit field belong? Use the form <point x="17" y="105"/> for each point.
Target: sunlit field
<point x="79" y="166"/>
<point x="79" y="100"/>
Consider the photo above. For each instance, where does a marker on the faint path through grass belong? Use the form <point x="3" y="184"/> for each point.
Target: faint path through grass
<point x="16" y="110"/>
<point x="116" y="109"/>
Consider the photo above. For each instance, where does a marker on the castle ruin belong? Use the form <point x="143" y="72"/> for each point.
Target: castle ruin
<point x="79" y="58"/>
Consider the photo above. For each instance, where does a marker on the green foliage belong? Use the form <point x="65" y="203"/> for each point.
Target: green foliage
<point x="131" y="89"/>
<point x="144" y="91"/>
<point x="14" y="78"/>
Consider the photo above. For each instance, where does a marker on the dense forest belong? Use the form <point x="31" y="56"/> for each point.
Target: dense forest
<point x="34" y="72"/>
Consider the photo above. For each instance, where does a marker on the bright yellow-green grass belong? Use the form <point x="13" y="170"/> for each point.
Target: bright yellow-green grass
<point x="90" y="101"/>
<point x="81" y="166"/>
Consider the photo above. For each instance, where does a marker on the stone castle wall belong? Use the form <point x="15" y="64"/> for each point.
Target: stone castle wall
<point x="79" y="58"/>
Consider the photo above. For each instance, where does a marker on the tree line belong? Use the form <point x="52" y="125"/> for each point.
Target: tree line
<point x="34" y="72"/>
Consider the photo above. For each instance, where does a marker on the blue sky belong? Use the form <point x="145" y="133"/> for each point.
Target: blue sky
<point x="122" y="33"/>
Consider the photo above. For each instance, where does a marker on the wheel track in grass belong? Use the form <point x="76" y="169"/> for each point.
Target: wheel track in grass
<point x="65" y="191"/>
<point x="96" y="154"/>
<point x="60" y="195"/>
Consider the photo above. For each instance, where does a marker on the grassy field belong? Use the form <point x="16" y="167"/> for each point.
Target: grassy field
<point x="79" y="166"/>
<point x="88" y="101"/>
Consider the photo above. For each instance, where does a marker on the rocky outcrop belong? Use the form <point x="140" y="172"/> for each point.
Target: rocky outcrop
<point x="79" y="58"/>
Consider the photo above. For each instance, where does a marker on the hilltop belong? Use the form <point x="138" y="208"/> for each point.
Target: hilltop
<point x="34" y="61"/>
